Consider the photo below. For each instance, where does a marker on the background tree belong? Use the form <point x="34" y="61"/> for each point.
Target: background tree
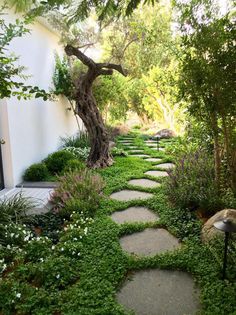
<point x="207" y="79"/>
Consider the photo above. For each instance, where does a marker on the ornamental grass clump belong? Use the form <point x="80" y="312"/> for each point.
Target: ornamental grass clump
<point x="191" y="184"/>
<point x="82" y="189"/>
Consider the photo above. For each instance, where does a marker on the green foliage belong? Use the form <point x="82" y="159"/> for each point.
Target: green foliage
<point x="57" y="161"/>
<point x="74" y="165"/>
<point x="63" y="84"/>
<point x="109" y="94"/>
<point x="82" y="271"/>
<point x="191" y="183"/>
<point x="81" y="140"/>
<point x="10" y="72"/>
<point x="83" y="185"/>
<point x="36" y="172"/>
<point x="13" y="210"/>
<point x="207" y="80"/>
<point x="78" y="153"/>
<point x="118" y="152"/>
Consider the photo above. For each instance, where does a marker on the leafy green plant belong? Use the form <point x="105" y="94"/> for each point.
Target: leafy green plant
<point x="10" y="86"/>
<point x="14" y="209"/>
<point x="81" y="140"/>
<point x="83" y="185"/>
<point x="118" y="152"/>
<point x="57" y="161"/>
<point x="79" y="153"/>
<point x="74" y="165"/>
<point x="191" y="184"/>
<point x="36" y="172"/>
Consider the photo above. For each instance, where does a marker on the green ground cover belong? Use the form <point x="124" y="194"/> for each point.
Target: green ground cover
<point x="85" y="284"/>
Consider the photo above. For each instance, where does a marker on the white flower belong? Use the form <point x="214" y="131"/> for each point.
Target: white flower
<point x="85" y="230"/>
<point x="18" y="295"/>
<point x="58" y="276"/>
<point x="41" y="259"/>
<point x="78" y="254"/>
<point x="4" y="267"/>
<point x="53" y="247"/>
<point x="62" y="249"/>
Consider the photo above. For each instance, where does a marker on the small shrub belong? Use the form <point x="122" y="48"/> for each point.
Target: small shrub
<point x="15" y="208"/>
<point x="36" y="172"/>
<point x="57" y="161"/>
<point x="79" y="153"/>
<point x="191" y="183"/>
<point x="81" y="140"/>
<point x="118" y="152"/>
<point x="83" y="186"/>
<point x="74" y="165"/>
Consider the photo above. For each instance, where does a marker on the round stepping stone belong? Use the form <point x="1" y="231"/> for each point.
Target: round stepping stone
<point x="149" y="242"/>
<point x="143" y="182"/>
<point x="126" y="195"/>
<point x="157" y="173"/>
<point x="153" y="160"/>
<point x="160" y="292"/>
<point x="141" y="155"/>
<point x="134" y="214"/>
<point x="165" y="165"/>
<point x="158" y="149"/>
<point x="150" y="141"/>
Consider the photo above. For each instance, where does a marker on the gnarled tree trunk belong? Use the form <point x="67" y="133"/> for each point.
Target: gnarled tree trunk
<point x="87" y="109"/>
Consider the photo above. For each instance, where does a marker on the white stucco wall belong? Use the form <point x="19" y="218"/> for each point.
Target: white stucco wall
<point x="33" y="128"/>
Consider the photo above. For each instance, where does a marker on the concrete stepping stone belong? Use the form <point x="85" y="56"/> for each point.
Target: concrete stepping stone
<point x="157" y="173"/>
<point x="151" y="144"/>
<point x="149" y="242"/>
<point x="126" y="143"/>
<point x="158" y="149"/>
<point x="160" y="292"/>
<point x="143" y="182"/>
<point x="141" y="155"/>
<point x="134" y="214"/>
<point x="165" y="165"/>
<point x="150" y="141"/>
<point x="135" y="151"/>
<point x="153" y="160"/>
<point x="127" y="195"/>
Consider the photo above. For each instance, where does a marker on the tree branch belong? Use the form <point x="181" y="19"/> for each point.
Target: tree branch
<point x="112" y="66"/>
<point x="105" y="72"/>
<point x="72" y="51"/>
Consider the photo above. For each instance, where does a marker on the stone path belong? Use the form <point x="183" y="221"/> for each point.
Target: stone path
<point x="160" y="292"/>
<point x="149" y="242"/>
<point x="126" y="195"/>
<point x="143" y="182"/>
<point x="157" y="173"/>
<point x="152" y="292"/>
<point x="134" y="214"/>
<point x="153" y="160"/>
<point x="141" y="155"/>
<point x="165" y="165"/>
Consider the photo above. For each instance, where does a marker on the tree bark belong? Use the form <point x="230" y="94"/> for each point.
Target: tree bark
<point x="87" y="110"/>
